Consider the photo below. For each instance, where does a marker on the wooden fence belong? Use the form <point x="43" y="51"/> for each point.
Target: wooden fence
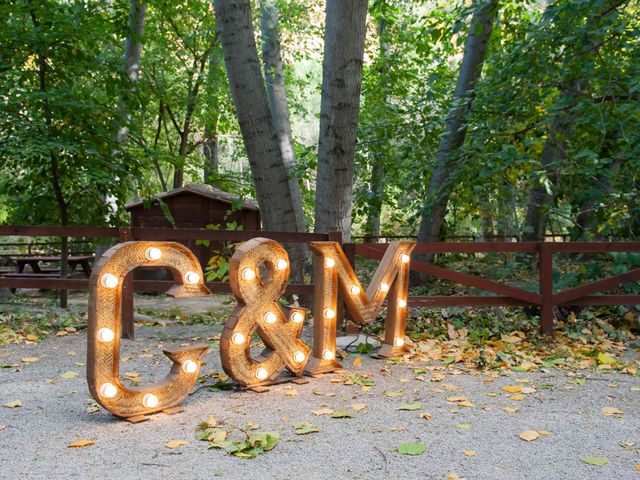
<point x="503" y="295"/>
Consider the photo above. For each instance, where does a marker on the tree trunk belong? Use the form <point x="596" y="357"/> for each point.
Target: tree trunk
<point x="344" y="35"/>
<point x="211" y="147"/>
<point x="377" y="181"/>
<point x="132" y="55"/>
<point x="256" y="124"/>
<point x="446" y="163"/>
<point x="277" y="95"/>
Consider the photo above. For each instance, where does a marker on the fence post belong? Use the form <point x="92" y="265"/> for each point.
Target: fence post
<point x="545" y="266"/>
<point x="126" y="301"/>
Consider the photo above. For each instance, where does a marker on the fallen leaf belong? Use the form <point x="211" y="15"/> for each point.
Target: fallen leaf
<point x="517" y="397"/>
<point x="426" y="416"/>
<point x="410" y="406"/>
<point x="638" y="468"/>
<point x="635" y="389"/>
<point x="597" y="461"/>
<point x="470" y="453"/>
<point x="456" y="399"/>
<point x="466" y="404"/>
<point x="511" y="409"/>
<point x="2" y="427"/>
<point x="437" y="377"/>
<point x="463" y="426"/>
<point x="357" y="362"/>
<point x="322" y="411"/>
<point x="291" y="393"/>
<point x="544" y="432"/>
<point x="417" y="448"/>
<point x="512" y="388"/>
<point x="358" y="406"/>
<point x="453" y="476"/>
<point x="528" y="390"/>
<point x="31" y="337"/>
<point x="14" y="404"/>
<point x="395" y="393"/>
<point x="69" y="375"/>
<point x="342" y="413"/>
<point x="80" y="444"/>
<point x="612" y="412"/>
<point x="529" y="435"/>
<point x="176" y="443"/>
<point x="29" y="359"/>
<point x="304" y="428"/>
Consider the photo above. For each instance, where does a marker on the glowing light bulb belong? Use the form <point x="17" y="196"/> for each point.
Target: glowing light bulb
<point x="328" y="355"/>
<point x="106" y="335"/>
<point x="398" y="342"/>
<point x="297" y="317"/>
<point x="354" y="289"/>
<point x="248" y="273"/>
<point x="270" y="317"/>
<point x="404" y="258"/>
<point x="238" y="338"/>
<point x="384" y="287"/>
<point x="191" y="277"/>
<point x="109" y="280"/>
<point x="261" y="373"/>
<point x="150" y="400"/>
<point x="402" y="303"/>
<point x="281" y="264"/>
<point x="153" y="253"/>
<point x="299" y="356"/>
<point x="108" y="390"/>
<point x="190" y="366"/>
<point x="329" y="313"/>
<point x="329" y="263"/>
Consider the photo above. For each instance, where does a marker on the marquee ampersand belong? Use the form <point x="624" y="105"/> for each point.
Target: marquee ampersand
<point x="258" y="277"/>
<point x="103" y="336"/>
<point x="332" y="271"/>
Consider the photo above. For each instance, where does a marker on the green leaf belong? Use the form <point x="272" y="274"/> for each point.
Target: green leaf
<point x="410" y="448"/>
<point x="303" y="428"/>
<point x="463" y="426"/>
<point x="410" y="406"/>
<point x="342" y="413"/>
<point x="597" y="461"/>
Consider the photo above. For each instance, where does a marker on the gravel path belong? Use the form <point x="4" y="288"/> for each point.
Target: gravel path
<point x="34" y="437"/>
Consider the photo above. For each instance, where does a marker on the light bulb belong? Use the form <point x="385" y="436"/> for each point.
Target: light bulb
<point x="404" y="258"/>
<point x="190" y="366"/>
<point x="238" y="338"/>
<point x="150" y="400"/>
<point x="384" y="287"/>
<point x="402" y="303"/>
<point x="261" y="373"/>
<point x="329" y="263"/>
<point x="329" y="313"/>
<point x="297" y="317"/>
<point x="328" y="355"/>
<point x="248" y="273"/>
<point x="270" y="317"/>
<point x="106" y="335"/>
<point x="354" y="289"/>
<point x="299" y="356"/>
<point x="398" y="342"/>
<point x="191" y="277"/>
<point x="281" y="264"/>
<point x="153" y="253"/>
<point x="109" y="280"/>
<point x="108" y="390"/>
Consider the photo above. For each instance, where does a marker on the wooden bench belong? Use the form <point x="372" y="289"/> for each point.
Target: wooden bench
<point x="38" y="272"/>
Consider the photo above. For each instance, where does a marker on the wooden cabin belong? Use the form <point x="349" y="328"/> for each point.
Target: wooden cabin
<point x="196" y="206"/>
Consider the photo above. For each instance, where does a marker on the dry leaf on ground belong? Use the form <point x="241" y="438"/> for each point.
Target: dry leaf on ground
<point x="426" y="416"/>
<point x="80" y="444"/>
<point x="14" y="404"/>
<point x="176" y="443"/>
<point x="29" y="359"/>
<point x="511" y="409"/>
<point x="512" y="388"/>
<point x="358" y="406"/>
<point x="529" y="435"/>
<point x="612" y="412"/>
<point x="69" y="375"/>
<point x="470" y="453"/>
<point x="323" y="411"/>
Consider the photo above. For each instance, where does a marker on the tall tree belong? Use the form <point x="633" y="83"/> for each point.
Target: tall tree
<point x="235" y="27"/>
<point x="444" y="172"/>
<point x="211" y="144"/>
<point x="277" y="95"/>
<point x="132" y="58"/>
<point x="345" y="27"/>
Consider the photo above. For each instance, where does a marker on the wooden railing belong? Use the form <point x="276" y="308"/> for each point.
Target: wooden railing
<point x="505" y="295"/>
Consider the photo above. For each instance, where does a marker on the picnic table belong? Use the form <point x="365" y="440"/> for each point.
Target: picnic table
<point x="34" y="262"/>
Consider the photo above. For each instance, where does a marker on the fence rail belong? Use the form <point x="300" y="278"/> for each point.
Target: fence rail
<point x="502" y="295"/>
